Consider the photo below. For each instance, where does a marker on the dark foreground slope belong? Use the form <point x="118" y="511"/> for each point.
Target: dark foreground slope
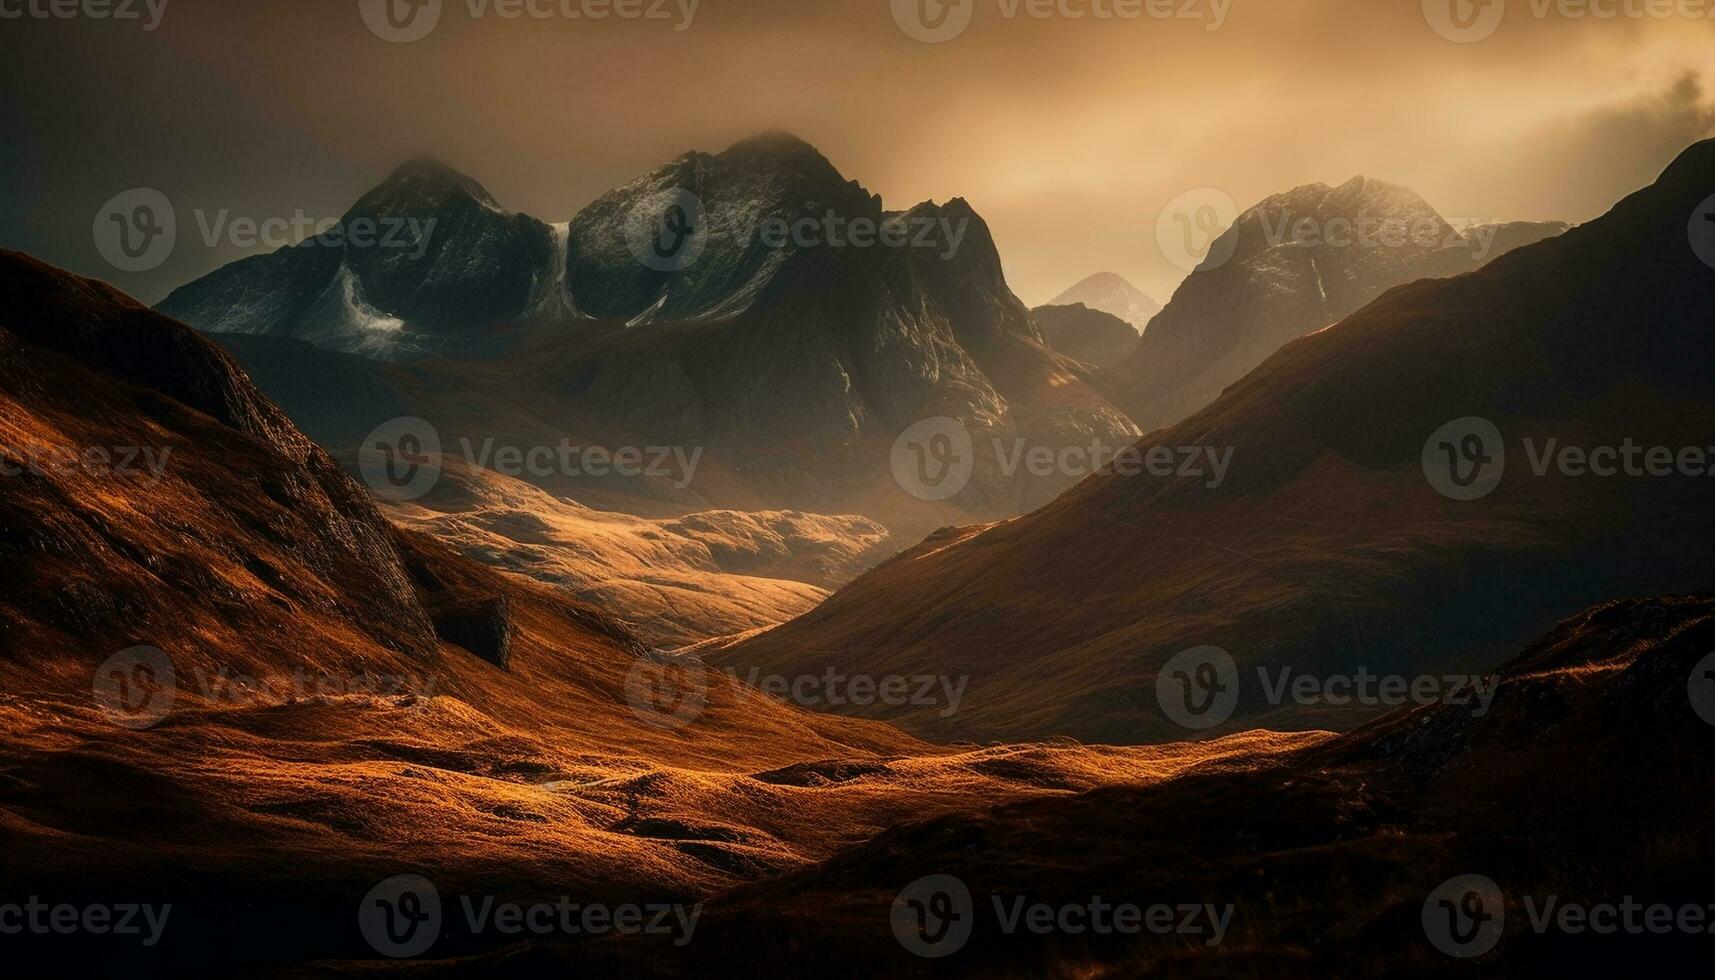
<point x="1326" y="548"/>
<point x="1584" y="782"/>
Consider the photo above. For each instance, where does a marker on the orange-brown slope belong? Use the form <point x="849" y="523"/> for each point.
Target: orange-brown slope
<point x="673" y="581"/>
<point x="351" y="701"/>
<point x="1584" y="782"/>
<point x="1325" y="549"/>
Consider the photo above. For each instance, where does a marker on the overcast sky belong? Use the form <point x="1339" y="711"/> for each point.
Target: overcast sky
<point x="1069" y="135"/>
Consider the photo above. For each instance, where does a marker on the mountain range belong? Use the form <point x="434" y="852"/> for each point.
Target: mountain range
<point x="1338" y="536"/>
<point x="794" y="356"/>
<point x="1295" y="263"/>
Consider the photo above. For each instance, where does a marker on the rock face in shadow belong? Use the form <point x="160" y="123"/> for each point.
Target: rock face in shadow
<point x="1292" y="264"/>
<point x="481" y="626"/>
<point x="1086" y="334"/>
<point x="167" y="416"/>
<point x="792" y="347"/>
<point x="1325" y="545"/>
<point x="425" y="261"/>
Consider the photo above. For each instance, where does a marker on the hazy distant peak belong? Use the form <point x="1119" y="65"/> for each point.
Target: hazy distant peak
<point x="1113" y="294"/>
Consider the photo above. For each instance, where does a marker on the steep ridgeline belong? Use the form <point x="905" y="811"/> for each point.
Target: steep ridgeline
<point x="1295" y="263"/>
<point x="1341" y="513"/>
<point x="427" y="261"/>
<point x="774" y="334"/>
<point x="1086" y="334"/>
<point x="1114" y="295"/>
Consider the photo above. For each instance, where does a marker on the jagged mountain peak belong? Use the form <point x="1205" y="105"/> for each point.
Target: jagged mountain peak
<point x="423" y="183"/>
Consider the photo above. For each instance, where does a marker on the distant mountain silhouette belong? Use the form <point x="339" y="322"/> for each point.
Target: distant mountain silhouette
<point x="1294" y="263"/>
<point x="1325" y="547"/>
<point x="1110" y="293"/>
<point x="1089" y="335"/>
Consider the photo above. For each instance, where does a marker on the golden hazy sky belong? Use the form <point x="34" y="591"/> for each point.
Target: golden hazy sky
<point x="1068" y="134"/>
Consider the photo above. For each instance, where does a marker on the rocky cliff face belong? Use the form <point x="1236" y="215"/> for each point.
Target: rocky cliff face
<point x="754" y="302"/>
<point x="426" y="261"/>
